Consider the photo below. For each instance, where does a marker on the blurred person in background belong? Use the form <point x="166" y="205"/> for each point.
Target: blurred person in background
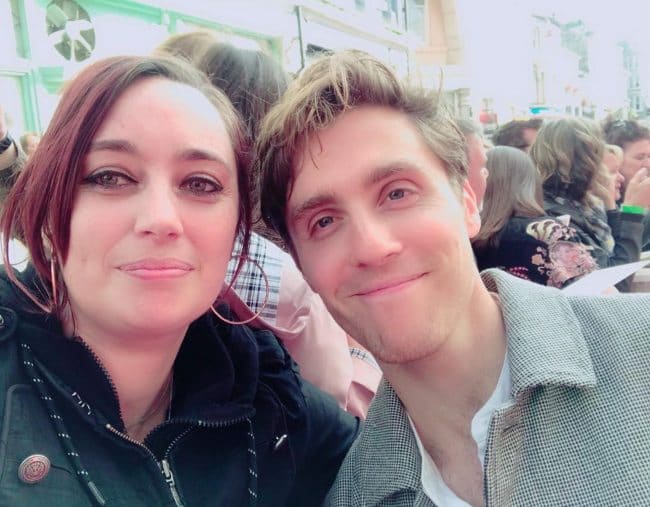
<point x="12" y="157"/>
<point x="188" y="46"/>
<point x="477" y="174"/>
<point x="519" y="134"/>
<point x="613" y="160"/>
<point x="516" y="234"/>
<point x="254" y="81"/>
<point x="12" y="160"/>
<point x="124" y="383"/>
<point x="29" y="141"/>
<point x="568" y="154"/>
<point x="634" y="140"/>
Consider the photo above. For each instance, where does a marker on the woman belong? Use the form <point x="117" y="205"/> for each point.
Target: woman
<point x="634" y="141"/>
<point x="568" y="154"/>
<point x="516" y="235"/>
<point x="120" y="385"/>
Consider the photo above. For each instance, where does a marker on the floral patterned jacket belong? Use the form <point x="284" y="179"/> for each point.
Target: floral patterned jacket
<point x="542" y="249"/>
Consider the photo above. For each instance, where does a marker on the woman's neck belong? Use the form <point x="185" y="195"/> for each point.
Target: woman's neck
<point x="141" y="369"/>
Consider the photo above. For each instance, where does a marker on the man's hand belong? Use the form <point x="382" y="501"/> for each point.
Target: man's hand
<point x="638" y="189"/>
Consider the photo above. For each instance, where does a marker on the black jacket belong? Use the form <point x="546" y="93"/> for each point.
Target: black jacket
<point x="626" y="229"/>
<point x="540" y="249"/>
<point x="245" y="429"/>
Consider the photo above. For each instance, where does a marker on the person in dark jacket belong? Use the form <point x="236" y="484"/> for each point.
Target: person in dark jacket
<point x="568" y="154"/>
<point x="123" y="382"/>
<point x="634" y="141"/>
<point x="516" y="235"/>
<point x="12" y="157"/>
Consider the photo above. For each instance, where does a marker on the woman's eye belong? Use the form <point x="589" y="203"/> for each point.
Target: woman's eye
<point x="202" y="186"/>
<point x="396" y="194"/>
<point x="108" y="179"/>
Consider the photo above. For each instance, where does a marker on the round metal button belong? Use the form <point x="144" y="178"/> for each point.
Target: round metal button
<point x="34" y="468"/>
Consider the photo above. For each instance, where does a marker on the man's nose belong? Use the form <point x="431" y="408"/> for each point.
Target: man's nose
<point x="373" y="241"/>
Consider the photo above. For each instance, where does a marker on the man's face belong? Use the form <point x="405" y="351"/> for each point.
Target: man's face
<point x="382" y="235"/>
<point x="478" y="173"/>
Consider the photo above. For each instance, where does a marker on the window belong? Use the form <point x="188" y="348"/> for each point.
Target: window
<point x="415" y="18"/>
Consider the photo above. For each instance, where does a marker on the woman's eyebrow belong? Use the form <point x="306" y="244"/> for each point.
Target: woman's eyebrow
<point x="120" y="145"/>
<point x="199" y="154"/>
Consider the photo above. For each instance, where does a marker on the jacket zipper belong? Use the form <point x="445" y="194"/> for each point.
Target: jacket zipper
<point x="164" y="465"/>
<point x="169" y="479"/>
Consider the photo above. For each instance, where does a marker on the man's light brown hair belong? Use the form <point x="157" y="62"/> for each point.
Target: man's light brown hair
<point x="332" y="85"/>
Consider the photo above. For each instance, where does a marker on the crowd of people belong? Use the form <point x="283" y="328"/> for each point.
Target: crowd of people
<point x="248" y="288"/>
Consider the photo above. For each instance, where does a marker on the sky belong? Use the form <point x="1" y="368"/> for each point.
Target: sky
<point x="497" y="43"/>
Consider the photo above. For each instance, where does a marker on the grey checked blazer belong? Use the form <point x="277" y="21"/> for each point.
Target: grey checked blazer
<point x="578" y="432"/>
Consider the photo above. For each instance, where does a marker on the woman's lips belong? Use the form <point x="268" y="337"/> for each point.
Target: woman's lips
<point x="152" y="269"/>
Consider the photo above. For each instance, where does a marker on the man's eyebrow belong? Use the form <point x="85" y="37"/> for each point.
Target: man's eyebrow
<point x="113" y="145"/>
<point x="386" y="171"/>
<point x="298" y="213"/>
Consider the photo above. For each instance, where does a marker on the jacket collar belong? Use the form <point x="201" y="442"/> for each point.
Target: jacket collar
<point x="546" y="345"/>
<point x="388" y="443"/>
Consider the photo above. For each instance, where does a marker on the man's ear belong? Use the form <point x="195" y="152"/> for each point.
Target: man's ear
<point x="472" y="212"/>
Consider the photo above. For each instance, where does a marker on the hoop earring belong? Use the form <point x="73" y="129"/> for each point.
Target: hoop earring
<point x="266" y="297"/>
<point x="55" y="296"/>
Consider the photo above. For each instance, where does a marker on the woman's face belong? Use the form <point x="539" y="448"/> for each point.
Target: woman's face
<point x="155" y="215"/>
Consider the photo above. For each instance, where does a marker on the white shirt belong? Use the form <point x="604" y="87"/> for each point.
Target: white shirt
<point x="432" y="484"/>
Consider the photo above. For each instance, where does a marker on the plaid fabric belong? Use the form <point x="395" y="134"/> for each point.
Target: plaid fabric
<point x="364" y="356"/>
<point x="250" y="285"/>
<point x="578" y="432"/>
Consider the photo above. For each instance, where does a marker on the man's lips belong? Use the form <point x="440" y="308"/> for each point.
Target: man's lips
<point x="389" y="286"/>
<point x="156" y="268"/>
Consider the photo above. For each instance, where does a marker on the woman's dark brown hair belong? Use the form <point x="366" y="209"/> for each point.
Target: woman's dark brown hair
<point x="623" y="132"/>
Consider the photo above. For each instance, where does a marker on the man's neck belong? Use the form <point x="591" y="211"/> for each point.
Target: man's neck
<point x="442" y="392"/>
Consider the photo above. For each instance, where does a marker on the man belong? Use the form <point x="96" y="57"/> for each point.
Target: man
<point x="496" y="391"/>
<point x="518" y="133"/>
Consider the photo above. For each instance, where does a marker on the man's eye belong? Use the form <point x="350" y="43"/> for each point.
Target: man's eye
<point x="398" y="193"/>
<point x="324" y="222"/>
<point x="202" y="186"/>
